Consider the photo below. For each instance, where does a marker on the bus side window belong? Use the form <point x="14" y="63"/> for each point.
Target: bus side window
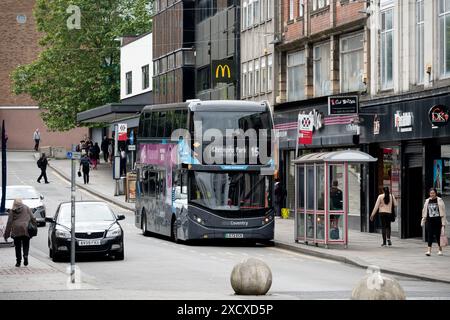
<point x="162" y="183"/>
<point x="184" y="181"/>
<point x="152" y="184"/>
<point x="147" y="124"/>
<point x="154" y="124"/>
<point x="144" y="183"/>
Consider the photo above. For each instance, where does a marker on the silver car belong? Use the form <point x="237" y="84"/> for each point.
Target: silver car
<point x="30" y="197"/>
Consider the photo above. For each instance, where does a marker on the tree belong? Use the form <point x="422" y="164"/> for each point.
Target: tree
<point x="79" y="68"/>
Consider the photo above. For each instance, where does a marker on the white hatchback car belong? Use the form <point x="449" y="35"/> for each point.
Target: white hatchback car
<point x="30" y="197"/>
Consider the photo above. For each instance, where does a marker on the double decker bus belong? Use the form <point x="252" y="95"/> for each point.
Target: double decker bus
<point x="182" y="193"/>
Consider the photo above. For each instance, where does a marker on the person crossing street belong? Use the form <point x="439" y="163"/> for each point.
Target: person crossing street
<point x="42" y="164"/>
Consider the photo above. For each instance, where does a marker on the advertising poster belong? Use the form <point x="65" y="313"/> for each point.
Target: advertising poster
<point x="437" y="175"/>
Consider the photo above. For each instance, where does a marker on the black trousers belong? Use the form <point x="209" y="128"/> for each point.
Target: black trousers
<point x="433" y="228"/>
<point x="36" y="145"/>
<point x="385" y="226"/>
<point x="123" y="167"/>
<point x="105" y="156"/>
<point x="18" y="242"/>
<point x="86" y="176"/>
<point x="43" y="175"/>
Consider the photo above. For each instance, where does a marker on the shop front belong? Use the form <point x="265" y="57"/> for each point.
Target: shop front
<point x="411" y="138"/>
<point x="331" y="133"/>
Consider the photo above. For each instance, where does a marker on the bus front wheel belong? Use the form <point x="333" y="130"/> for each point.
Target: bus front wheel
<point x="174" y="231"/>
<point x="144" y="224"/>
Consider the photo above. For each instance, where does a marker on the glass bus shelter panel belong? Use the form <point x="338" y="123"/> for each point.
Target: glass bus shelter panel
<point x="310" y="188"/>
<point x="320" y="187"/>
<point x="336" y="230"/>
<point x="320" y="226"/>
<point x="336" y="183"/>
<point x="310" y="225"/>
<point x="300" y="206"/>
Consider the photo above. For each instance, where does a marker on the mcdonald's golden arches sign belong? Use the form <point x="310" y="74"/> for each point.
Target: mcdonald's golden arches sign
<point x="222" y="71"/>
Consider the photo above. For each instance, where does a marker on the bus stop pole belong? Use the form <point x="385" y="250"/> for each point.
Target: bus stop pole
<point x="72" y="242"/>
<point x="116" y="158"/>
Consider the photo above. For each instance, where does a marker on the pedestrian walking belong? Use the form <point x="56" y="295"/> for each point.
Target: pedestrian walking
<point x="19" y="219"/>
<point x="385" y="206"/>
<point x="37" y="139"/>
<point x="85" y="166"/>
<point x="434" y="219"/>
<point x="123" y="162"/>
<point x="279" y="196"/>
<point x="95" y="155"/>
<point x="111" y="152"/>
<point x="105" y="149"/>
<point x="42" y="164"/>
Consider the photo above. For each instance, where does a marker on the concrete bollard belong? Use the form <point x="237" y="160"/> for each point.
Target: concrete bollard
<point x="375" y="286"/>
<point x="251" y="277"/>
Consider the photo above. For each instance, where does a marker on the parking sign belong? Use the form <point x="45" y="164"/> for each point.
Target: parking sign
<point x="122" y="131"/>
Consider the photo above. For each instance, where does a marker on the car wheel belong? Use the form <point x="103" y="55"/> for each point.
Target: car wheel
<point x="120" y="255"/>
<point x="50" y="253"/>
<point x="144" y="225"/>
<point x="174" y="231"/>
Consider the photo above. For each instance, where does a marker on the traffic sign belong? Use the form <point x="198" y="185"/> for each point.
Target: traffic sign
<point x="132" y="147"/>
<point x="76" y="155"/>
<point x="132" y="137"/>
<point x="69" y="155"/>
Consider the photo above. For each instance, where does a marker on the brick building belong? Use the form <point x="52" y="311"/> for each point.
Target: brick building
<point x="19" y="45"/>
<point x="323" y="51"/>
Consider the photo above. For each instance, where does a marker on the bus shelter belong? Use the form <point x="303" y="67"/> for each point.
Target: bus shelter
<point x="322" y="197"/>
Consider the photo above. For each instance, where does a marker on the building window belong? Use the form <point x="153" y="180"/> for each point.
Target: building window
<point x="129" y="80"/>
<point x="203" y="79"/>
<point x="256" y="11"/>
<point x="263" y="74"/>
<point x="257" y="77"/>
<point x="291" y="9"/>
<point x="155" y="67"/>
<point x="250" y="14"/>
<point x="387" y="44"/>
<point x="321" y="61"/>
<point x="244" y="79"/>
<point x="269" y="72"/>
<point x="319" y="4"/>
<point x="250" y="79"/>
<point x="145" y="77"/>
<point x="244" y="15"/>
<point x="296" y="76"/>
<point x="352" y="62"/>
<point x="269" y="9"/>
<point x="301" y="8"/>
<point x="420" y="40"/>
<point x="444" y="31"/>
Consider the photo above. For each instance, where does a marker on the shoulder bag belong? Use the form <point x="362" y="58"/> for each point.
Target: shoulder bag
<point x="393" y="214"/>
<point x="32" y="229"/>
<point x="443" y="239"/>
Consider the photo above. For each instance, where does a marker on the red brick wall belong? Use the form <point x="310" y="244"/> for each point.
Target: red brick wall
<point x="348" y="12"/>
<point x="294" y="29"/>
<point x="20" y="125"/>
<point x="320" y="21"/>
<point x="18" y="46"/>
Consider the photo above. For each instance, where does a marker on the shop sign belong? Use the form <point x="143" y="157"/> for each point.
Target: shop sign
<point x="222" y="71"/>
<point x="403" y="121"/>
<point x="439" y="116"/>
<point x="346" y="105"/>
<point x="122" y="131"/>
<point x="376" y="125"/>
<point x="305" y="128"/>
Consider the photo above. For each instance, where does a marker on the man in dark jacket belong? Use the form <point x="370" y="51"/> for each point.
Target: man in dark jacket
<point x="42" y="164"/>
<point x="17" y="228"/>
<point x="85" y="166"/>
<point x="105" y="147"/>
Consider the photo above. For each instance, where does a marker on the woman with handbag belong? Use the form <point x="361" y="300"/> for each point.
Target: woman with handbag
<point x="21" y="226"/>
<point x="434" y="219"/>
<point x="385" y="206"/>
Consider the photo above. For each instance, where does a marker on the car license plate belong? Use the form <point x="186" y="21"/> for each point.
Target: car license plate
<point x="234" y="235"/>
<point x="89" y="243"/>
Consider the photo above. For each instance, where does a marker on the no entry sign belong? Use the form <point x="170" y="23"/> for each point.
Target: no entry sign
<point x="122" y="131"/>
<point x="305" y="128"/>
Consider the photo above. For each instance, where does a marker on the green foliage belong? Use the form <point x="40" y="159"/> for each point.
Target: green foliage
<point x="79" y="69"/>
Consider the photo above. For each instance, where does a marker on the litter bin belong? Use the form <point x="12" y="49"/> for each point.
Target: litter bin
<point x="122" y="186"/>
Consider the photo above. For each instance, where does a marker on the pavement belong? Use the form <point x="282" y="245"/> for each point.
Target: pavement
<point x="405" y="258"/>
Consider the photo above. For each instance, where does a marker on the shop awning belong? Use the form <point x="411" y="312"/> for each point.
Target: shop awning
<point x="336" y="156"/>
<point x="109" y="113"/>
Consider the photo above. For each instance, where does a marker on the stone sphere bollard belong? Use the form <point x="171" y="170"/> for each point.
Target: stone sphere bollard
<point x="375" y="286"/>
<point x="251" y="277"/>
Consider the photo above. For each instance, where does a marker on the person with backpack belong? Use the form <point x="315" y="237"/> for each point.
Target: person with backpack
<point x="85" y="166"/>
<point x="123" y="162"/>
<point x="42" y="164"/>
<point x="434" y="219"/>
<point x="20" y="219"/>
<point x="385" y="205"/>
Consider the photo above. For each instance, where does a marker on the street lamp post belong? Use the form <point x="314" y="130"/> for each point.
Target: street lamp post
<point x="72" y="241"/>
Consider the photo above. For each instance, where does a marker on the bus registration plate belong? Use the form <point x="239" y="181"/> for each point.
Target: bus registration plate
<point x="234" y="235"/>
